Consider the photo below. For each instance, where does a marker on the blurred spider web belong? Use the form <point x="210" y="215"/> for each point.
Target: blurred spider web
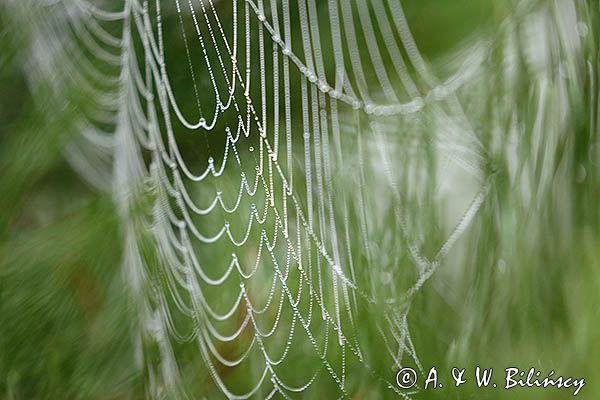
<point x="277" y="178"/>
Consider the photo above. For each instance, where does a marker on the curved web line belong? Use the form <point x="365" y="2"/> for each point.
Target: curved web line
<point x="171" y="226"/>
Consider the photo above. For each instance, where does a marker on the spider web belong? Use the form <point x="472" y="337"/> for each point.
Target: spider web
<point x="267" y="158"/>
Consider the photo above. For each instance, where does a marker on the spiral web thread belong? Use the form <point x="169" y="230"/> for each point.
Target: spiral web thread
<point x="297" y="152"/>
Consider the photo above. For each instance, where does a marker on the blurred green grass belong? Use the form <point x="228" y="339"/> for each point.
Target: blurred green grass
<point x="64" y="314"/>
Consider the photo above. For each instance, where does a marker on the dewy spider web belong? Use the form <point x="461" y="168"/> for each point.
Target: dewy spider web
<point x="264" y="157"/>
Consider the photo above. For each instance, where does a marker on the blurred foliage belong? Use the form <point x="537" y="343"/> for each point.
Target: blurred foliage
<point x="63" y="310"/>
<point x="65" y="320"/>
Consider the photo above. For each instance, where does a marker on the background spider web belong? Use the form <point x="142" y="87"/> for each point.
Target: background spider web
<point x="258" y="156"/>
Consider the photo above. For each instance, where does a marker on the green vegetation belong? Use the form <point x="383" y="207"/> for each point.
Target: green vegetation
<point x="520" y="288"/>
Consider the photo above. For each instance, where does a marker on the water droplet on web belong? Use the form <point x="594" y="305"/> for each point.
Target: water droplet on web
<point x="324" y="87"/>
